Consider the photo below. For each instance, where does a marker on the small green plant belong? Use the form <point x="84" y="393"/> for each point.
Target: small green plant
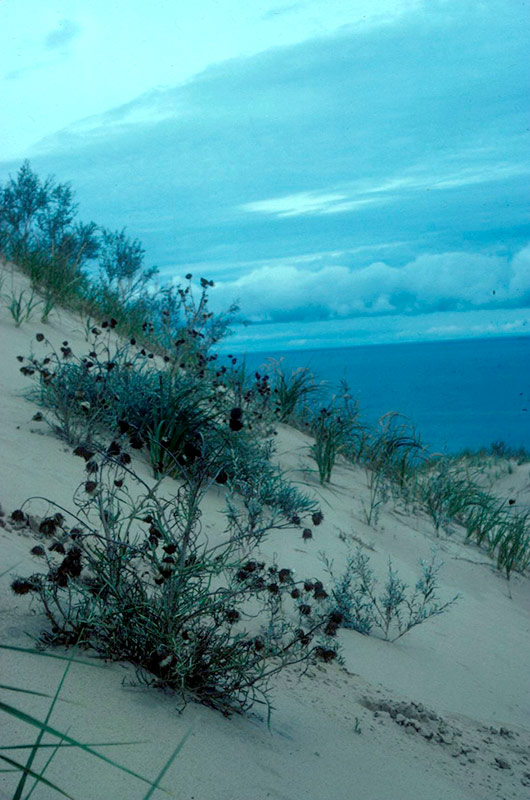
<point x="395" y="611"/>
<point x="292" y="392"/>
<point x="21" y="305"/>
<point x="445" y="491"/>
<point x="336" y="429"/>
<point x="390" y="454"/>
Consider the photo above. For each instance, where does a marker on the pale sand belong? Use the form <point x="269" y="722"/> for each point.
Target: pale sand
<point x="468" y="667"/>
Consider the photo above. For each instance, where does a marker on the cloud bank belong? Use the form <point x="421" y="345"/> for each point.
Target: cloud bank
<point x="430" y="283"/>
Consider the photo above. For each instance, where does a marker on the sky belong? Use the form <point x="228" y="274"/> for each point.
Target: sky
<point x="354" y="171"/>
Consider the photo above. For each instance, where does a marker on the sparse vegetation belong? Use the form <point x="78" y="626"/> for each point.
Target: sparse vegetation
<point x="129" y="570"/>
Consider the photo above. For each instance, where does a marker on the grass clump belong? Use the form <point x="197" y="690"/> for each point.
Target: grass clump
<point x="337" y="431"/>
<point x="292" y="392"/>
<point x="451" y="495"/>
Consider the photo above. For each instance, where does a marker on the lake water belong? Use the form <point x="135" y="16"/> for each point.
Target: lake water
<point x="459" y="394"/>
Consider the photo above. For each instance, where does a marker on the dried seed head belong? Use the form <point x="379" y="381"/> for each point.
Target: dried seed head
<point x="48" y="526"/>
<point x="90" y="487"/>
<point x="136" y="441"/>
<point x="38" y="550"/>
<point x="305" y="638"/>
<point x="307" y="533"/>
<point x="317" y="517"/>
<point x="324" y="654"/>
<point x="304" y="609"/>
<point x="25" y="585"/>
<point x="84" y="452"/>
<point x="330" y="629"/>
<point x="18" y="515"/>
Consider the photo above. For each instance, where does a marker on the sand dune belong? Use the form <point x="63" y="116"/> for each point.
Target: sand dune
<point x="442" y="713"/>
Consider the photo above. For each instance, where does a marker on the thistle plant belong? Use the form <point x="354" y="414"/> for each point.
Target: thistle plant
<point x="132" y="575"/>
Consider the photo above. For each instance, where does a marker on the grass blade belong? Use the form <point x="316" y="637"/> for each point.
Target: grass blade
<point x="34" y="775"/>
<point x="50" y="655"/>
<point x="24" y="691"/>
<point x="166" y="766"/>
<point x="35" y="748"/>
<point x="23" y="717"/>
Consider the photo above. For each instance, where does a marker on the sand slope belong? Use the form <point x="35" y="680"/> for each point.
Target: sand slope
<point x="443" y="712"/>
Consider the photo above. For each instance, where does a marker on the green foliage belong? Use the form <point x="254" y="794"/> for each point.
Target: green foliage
<point x="121" y="265"/>
<point x="21" y="305"/>
<point x="395" y="611"/>
<point x="38" y="233"/>
<point x="451" y="495"/>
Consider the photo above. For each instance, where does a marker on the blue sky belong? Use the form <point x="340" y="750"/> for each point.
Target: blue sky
<point x="349" y="171"/>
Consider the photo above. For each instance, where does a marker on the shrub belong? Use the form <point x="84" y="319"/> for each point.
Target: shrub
<point x="394" y="612"/>
<point x="139" y="582"/>
<point x="121" y="267"/>
<point x="38" y="232"/>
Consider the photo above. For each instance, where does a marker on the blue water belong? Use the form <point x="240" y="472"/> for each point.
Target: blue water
<point x="460" y="395"/>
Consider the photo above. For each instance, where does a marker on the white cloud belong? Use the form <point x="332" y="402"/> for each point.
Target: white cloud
<point x="354" y="195"/>
<point x="440" y="282"/>
<point x="295" y="205"/>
